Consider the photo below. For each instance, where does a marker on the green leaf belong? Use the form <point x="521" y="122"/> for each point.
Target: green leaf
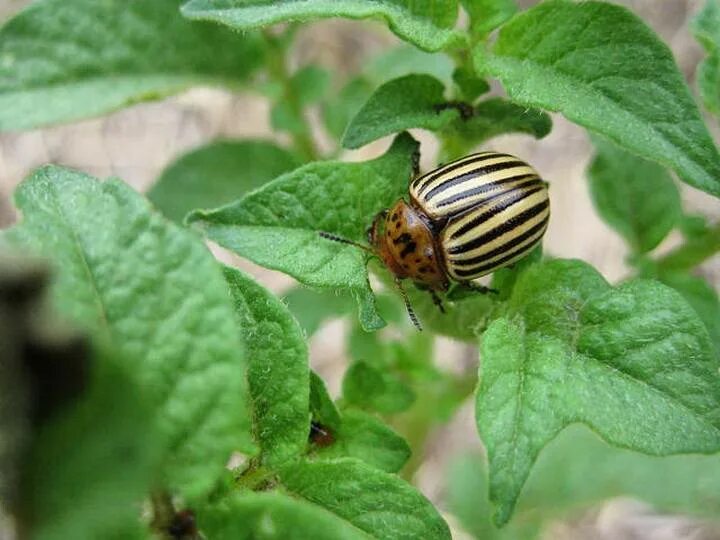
<point x="408" y="60"/>
<point x="706" y="28"/>
<point x="467" y="499"/>
<point x="156" y="294"/>
<point x="635" y="197"/>
<point x="338" y="111"/>
<point x="376" y="502"/>
<point x="701" y="296"/>
<point x="312" y="308"/>
<point x="426" y="24"/>
<point x="684" y="483"/>
<point x="322" y="406"/>
<point x="90" y="467"/>
<point x="699" y="246"/>
<point x="463" y="319"/>
<point x="504" y="279"/>
<point x="558" y="487"/>
<point x="693" y="225"/>
<point x="408" y="102"/>
<point x="375" y="389"/>
<point x="61" y="60"/>
<point x="362" y="436"/>
<point x="634" y="363"/>
<point x="277" y="226"/>
<point x="604" y="69"/>
<point x="217" y="173"/>
<point x="708" y="77"/>
<point x="497" y="116"/>
<point x="278" y="372"/>
<point x="309" y="84"/>
<point x="268" y="516"/>
<point x="487" y="15"/>
<point x="471" y="86"/>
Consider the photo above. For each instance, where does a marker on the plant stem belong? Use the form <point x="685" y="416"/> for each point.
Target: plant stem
<point x="278" y="71"/>
<point x="163" y="512"/>
<point x="253" y="478"/>
<point x="693" y="252"/>
<point x="419" y="422"/>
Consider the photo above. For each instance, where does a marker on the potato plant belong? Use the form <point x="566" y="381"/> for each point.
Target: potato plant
<point x="135" y="364"/>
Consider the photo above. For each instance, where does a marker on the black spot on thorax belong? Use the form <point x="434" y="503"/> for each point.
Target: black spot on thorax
<point x="408" y="249"/>
<point x="404" y="238"/>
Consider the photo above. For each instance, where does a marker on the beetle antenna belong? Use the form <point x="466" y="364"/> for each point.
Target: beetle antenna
<point x="340" y="239"/>
<point x="410" y="310"/>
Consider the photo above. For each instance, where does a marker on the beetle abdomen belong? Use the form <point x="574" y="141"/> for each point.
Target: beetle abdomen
<point x="468" y="182"/>
<point x="492" y="235"/>
<point x="494" y="208"/>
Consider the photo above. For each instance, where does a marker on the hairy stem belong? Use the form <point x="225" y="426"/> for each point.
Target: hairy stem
<point x="278" y="71"/>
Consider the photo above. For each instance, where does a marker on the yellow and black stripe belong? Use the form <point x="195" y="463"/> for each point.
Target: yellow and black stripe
<point x="468" y="182"/>
<point x="496" y="206"/>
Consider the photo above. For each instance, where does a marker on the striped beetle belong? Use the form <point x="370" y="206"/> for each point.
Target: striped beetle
<point x="463" y="220"/>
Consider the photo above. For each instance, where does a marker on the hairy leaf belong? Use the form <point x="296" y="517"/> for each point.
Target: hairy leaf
<point x="278" y="225"/>
<point x="487" y="15"/>
<point x="339" y="110"/>
<point x="706" y="27"/>
<point x="407" y="60"/>
<point x="376" y="502"/>
<point x="708" y="76"/>
<point x="701" y="296"/>
<point x="62" y="60"/>
<point x="469" y="83"/>
<point x="427" y="24"/>
<point x="73" y="488"/>
<point x="412" y="101"/>
<point x="700" y="244"/>
<point x="312" y="308"/>
<point x="278" y="372"/>
<point x="322" y="406"/>
<point x="635" y="197"/>
<point x="216" y="174"/>
<point x="497" y="116"/>
<point x="362" y="436"/>
<point x="370" y="387"/>
<point x="306" y="86"/>
<point x="634" y="363"/>
<point x="558" y="486"/>
<point x="131" y="277"/>
<point x="604" y="69"/>
<point x="273" y="515"/>
<point x="504" y="279"/>
<point x="464" y="317"/>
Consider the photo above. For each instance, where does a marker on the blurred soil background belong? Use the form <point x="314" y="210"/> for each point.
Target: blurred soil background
<point x="135" y="144"/>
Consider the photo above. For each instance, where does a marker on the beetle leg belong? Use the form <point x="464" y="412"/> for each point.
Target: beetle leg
<point x="415" y="161"/>
<point x="479" y="288"/>
<point x="437" y="301"/>
<point x="372" y="230"/>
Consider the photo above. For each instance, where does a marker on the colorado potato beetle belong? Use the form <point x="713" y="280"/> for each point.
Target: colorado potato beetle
<point x="462" y="221"/>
